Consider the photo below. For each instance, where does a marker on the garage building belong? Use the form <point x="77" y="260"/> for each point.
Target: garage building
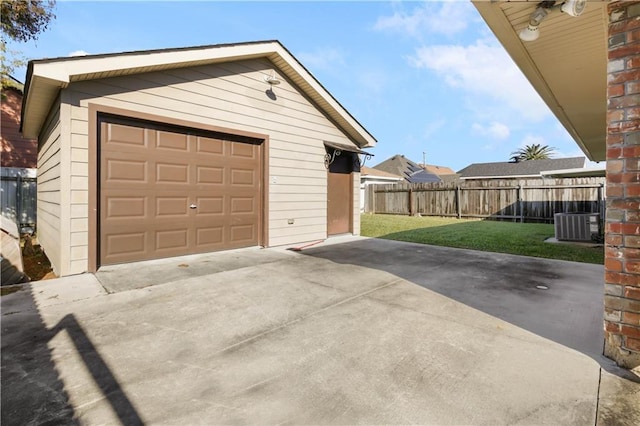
<point x="152" y="154"/>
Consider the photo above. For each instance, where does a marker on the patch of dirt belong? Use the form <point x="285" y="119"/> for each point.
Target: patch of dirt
<point x="36" y="265"/>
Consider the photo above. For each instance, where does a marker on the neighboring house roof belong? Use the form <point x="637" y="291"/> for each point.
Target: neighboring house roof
<point x="567" y="64"/>
<point x="46" y="77"/>
<point x="369" y="171"/>
<point x="527" y="168"/>
<point x="17" y="151"/>
<point x="410" y="171"/>
<point x="437" y="170"/>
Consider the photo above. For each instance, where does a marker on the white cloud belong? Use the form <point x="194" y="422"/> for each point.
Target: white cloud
<point x="449" y="17"/>
<point x="78" y="53"/>
<point x="323" y="58"/>
<point x="432" y="127"/>
<point x="494" y="130"/>
<point x="483" y="69"/>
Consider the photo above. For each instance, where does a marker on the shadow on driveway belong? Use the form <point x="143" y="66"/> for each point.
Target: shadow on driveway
<point x="33" y="391"/>
<point x="558" y="300"/>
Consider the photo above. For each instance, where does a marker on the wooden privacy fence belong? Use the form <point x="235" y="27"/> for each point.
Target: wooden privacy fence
<point x="521" y="200"/>
<point x="18" y="193"/>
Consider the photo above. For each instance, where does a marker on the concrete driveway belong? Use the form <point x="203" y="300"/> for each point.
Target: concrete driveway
<point x="350" y="331"/>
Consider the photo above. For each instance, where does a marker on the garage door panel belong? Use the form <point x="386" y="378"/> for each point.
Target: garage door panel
<point x="172" y="206"/>
<point x="126" y="170"/>
<point x="242" y="233"/>
<point x="150" y="178"/>
<point x="209" y="175"/>
<point x="209" y="206"/>
<point x="126" y="244"/>
<point x="244" y="150"/>
<point x="172" y="239"/>
<point x="172" y="173"/>
<point x="210" y="236"/>
<point x="118" y="134"/>
<point x="126" y="207"/>
<point x="243" y="177"/>
<point x="210" y="146"/>
<point x="172" y="141"/>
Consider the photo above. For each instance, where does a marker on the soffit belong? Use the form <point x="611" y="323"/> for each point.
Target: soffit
<point x="567" y="64"/>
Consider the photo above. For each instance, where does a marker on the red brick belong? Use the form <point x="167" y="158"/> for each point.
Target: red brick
<point x="632" y="293"/>
<point x="632" y="113"/>
<point x="630" y="280"/>
<point x="624" y="101"/>
<point x="612" y="265"/>
<point x="621" y="77"/>
<point x="614" y="140"/>
<point x="631" y="253"/>
<point x="622" y="26"/>
<point x="631" y="151"/>
<point x="632" y="344"/>
<point x="631" y="241"/>
<point x="613" y="153"/>
<point x="623" y="177"/>
<point x="632" y="164"/>
<point x="616" y="90"/>
<point x="612" y="252"/>
<point x="612" y="327"/>
<point x="615" y="115"/>
<point x="633" y="62"/>
<point x="613" y="240"/>
<point x="623" y="126"/>
<point x="615" y="191"/>
<point x="632" y="86"/>
<point x="631" y="318"/>
<point x="615" y="166"/>
<point x="624" y="203"/>
<point x="623" y="228"/>
<point x="633" y="36"/>
<point x="632" y="267"/>
<point x="630" y="331"/>
<point x="633" y="216"/>
<point x="632" y="190"/>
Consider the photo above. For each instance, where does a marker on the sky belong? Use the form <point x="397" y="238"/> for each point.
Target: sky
<point x="426" y="79"/>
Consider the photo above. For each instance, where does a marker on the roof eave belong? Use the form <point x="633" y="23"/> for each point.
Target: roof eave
<point x="504" y="32"/>
<point x="48" y="76"/>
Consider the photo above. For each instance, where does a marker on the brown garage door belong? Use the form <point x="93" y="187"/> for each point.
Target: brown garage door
<point x="166" y="192"/>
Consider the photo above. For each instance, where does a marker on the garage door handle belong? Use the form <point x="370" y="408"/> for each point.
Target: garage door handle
<point x="192" y="206"/>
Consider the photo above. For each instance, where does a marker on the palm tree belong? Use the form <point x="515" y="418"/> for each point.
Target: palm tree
<point x="533" y="152"/>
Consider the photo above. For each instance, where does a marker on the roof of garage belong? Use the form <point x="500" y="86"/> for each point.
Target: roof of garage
<point x="45" y="77"/>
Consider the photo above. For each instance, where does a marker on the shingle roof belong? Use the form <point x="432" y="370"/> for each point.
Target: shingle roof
<point x="523" y="168"/>
<point x="437" y="170"/>
<point x="369" y="171"/>
<point x="410" y="171"/>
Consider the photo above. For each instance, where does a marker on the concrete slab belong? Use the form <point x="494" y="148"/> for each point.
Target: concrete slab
<point x="356" y="332"/>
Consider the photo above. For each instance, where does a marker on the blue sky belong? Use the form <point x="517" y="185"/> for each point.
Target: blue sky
<point x="420" y="76"/>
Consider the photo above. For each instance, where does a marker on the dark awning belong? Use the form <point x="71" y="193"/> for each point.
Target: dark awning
<point x="347" y="148"/>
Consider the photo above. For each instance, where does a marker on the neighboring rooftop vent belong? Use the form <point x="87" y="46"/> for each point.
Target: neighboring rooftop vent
<point x="577" y="226"/>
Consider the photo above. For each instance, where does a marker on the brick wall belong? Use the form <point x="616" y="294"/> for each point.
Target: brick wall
<point x="622" y="249"/>
<point x="16" y="150"/>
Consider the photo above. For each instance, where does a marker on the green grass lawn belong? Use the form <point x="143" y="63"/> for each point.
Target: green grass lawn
<point x="526" y="239"/>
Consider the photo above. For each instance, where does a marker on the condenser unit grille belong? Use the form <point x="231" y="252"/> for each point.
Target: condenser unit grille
<point x="576" y="226"/>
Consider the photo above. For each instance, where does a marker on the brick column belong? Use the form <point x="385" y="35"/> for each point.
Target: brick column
<point x="622" y="240"/>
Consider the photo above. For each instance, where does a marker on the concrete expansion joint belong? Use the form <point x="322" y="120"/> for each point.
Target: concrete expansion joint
<point x="304" y="317"/>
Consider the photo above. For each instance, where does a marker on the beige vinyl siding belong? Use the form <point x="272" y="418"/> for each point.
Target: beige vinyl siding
<point x="356" y="203"/>
<point x="230" y="95"/>
<point x="48" y="181"/>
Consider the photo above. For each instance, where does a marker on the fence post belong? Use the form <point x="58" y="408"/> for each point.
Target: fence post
<point x="520" y="203"/>
<point x="458" y="206"/>
<point x="411" y="201"/>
